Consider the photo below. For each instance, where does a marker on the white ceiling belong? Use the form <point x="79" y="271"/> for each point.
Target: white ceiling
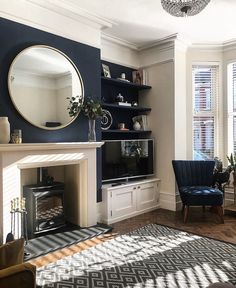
<point x="143" y="22"/>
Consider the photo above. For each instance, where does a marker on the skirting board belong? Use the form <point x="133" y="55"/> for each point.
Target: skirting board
<point x="111" y="221"/>
<point x="168" y="201"/>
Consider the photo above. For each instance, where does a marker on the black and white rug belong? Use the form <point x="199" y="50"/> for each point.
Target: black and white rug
<point x="152" y="256"/>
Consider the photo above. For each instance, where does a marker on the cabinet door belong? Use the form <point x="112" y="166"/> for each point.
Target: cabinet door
<point x="123" y="201"/>
<point x="147" y="195"/>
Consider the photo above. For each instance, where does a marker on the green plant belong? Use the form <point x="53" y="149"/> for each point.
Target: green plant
<point x="91" y="108"/>
<point x="232" y="161"/>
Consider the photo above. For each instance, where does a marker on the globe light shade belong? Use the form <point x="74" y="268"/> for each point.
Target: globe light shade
<point x="182" y="8"/>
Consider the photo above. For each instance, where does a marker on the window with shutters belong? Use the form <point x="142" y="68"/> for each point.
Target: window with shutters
<point x="205" y="99"/>
<point x="231" y="107"/>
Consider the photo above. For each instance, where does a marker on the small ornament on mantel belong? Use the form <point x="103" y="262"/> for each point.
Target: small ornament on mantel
<point x="16" y="136"/>
<point x="4" y="130"/>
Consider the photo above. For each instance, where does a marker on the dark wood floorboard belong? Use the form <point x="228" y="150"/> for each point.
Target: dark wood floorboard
<point x="205" y="224"/>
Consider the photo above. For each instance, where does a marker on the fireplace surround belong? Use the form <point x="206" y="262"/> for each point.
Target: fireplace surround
<point x="79" y="160"/>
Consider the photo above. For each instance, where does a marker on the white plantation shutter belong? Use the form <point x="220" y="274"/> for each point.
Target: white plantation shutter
<point x="232" y="107"/>
<point x="205" y="99"/>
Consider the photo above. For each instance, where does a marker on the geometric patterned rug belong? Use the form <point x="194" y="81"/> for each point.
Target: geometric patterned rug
<point x="152" y="256"/>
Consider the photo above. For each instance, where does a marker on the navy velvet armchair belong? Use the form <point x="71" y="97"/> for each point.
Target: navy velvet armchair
<point x="195" y="183"/>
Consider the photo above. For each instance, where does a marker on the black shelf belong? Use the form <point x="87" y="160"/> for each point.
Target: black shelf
<point x="133" y="108"/>
<point x="120" y="83"/>
<point x="126" y="131"/>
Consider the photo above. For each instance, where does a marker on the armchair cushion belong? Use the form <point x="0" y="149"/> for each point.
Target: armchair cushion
<point x="11" y="253"/>
<point x="201" y="195"/>
<point x="21" y="275"/>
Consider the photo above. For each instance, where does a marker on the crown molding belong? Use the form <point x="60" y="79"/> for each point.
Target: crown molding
<point x="167" y="40"/>
<point x="118" y="41"/>
<point x="229" y="45"/>
<point x="216" y="46"/>
<point x="176" y="40"/>
<point x="72" y="11"/>
<point x="160" y="42"/>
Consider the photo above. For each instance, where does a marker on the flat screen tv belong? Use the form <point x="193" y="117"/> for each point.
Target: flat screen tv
<point x="126" y="159"/>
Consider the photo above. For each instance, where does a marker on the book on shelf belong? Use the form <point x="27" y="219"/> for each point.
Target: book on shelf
<point x="124" y="104"/>
<point x="143" y="121"/>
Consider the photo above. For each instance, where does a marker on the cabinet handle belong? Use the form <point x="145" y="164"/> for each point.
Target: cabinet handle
<point x="138" y="187"/>
<point x="134" y="188"/>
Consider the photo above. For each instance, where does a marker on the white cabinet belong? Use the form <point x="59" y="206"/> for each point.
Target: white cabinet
<point x="130" y="199"/>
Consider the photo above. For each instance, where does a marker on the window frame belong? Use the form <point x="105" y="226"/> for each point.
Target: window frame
<point x="215" y="112"/>
<point x="231" y="114"/>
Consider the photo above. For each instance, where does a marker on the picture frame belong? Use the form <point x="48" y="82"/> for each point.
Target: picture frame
<point x="137" y="76"/>
<point x="106" y="71"/>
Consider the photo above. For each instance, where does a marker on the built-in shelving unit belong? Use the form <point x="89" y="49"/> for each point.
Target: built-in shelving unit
<point x="142" y="195"/>
<point x="131" y="92"/>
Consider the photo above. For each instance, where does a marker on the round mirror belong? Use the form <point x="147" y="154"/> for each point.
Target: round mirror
<point x="41" y="82"/>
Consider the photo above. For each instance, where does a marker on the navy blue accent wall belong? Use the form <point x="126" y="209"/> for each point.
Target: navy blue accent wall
<point x="14" y="38"/>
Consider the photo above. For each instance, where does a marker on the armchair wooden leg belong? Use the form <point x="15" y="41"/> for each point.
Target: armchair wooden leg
<point x="220" y="213"/>
<point x="183" y="209"/>
<point x="186" y="210"/>
<point x="203" y="209"/>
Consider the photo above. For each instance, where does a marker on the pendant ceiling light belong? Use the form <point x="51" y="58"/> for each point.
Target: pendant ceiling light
<point x="181" y="8"/>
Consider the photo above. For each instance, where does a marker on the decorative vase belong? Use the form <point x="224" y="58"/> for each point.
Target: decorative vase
<point x="91" y="130"/>
<point x="4" y="130"/>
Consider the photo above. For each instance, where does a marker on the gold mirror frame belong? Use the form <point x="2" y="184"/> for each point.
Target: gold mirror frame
<point x="11" y="92"/>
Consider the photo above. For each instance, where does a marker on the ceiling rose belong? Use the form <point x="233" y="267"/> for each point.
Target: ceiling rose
<point x="181" y="8"/>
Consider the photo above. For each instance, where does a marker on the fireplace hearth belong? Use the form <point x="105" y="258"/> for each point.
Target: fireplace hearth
<point x="45" y="208"/>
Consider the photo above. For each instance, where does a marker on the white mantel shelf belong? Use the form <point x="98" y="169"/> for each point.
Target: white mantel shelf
<point x="49" y="146"/>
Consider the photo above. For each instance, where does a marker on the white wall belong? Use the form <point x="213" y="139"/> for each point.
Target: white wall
<point x="63" y="20"/>
<point x="119" y="53"/>
<point x="180" y="101"/>
<point x="161" y="120"/>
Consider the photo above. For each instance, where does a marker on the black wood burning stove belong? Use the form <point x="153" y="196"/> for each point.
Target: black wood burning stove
<point x="45" y="207"/>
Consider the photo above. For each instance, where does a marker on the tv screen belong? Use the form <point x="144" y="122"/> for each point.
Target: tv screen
<point x="124" y="159"/>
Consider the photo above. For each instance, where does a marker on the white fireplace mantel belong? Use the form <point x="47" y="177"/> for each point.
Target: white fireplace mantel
<point x="49" y="146"/>
<point x="78" y="157"/>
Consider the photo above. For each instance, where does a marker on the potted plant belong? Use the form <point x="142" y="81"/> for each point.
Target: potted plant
<point x="221" y="176"/>
<point x="232" y="167"/>
<point x="90" y="108"/>
<point x="232" y="161"/>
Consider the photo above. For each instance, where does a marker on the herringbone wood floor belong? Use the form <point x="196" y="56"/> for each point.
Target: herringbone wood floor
<point x="205" y="224"/>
